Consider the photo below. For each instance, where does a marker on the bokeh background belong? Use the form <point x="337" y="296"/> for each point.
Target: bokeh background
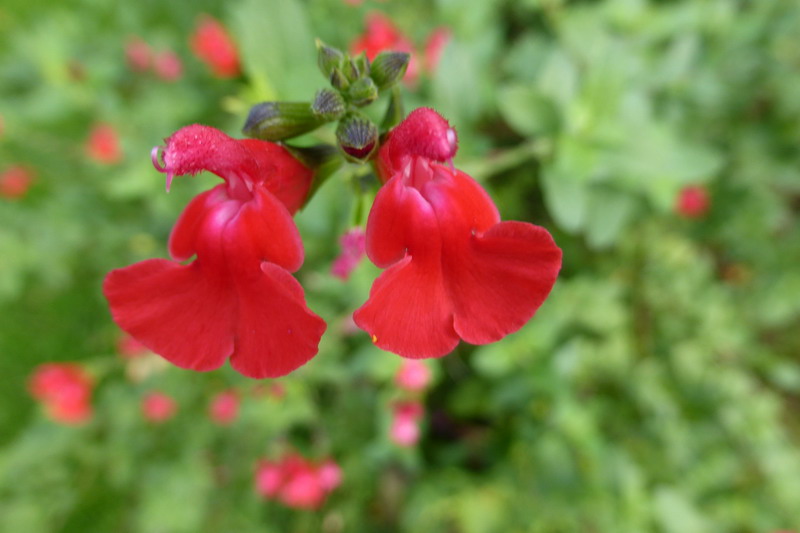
<point x="657" y="390"/>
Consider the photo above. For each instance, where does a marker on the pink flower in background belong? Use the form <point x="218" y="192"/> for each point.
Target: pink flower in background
<point x="413" y="375"/>
<point x="130" y="348"/>
<point x="65" y="390"/>
<point x="352" y="244"/>
<point x="138" y="54"/>
<point x="215" y="47"/>
<point x="224" y="407"/>
<point x="237" y="299"/>
<point x="15" y="182"/>
<point x="693" y="201"/>
<point x="168" y="66"/>
<point x="330" y="475"/>
<point x="158" y="407"/>
<point x="269" y="478"/>
<point x="382" y="35"/>
<point x="434" y="47"/>
<point x="405" y="430"/>
<point x="103" y="145"/>
<point x="296" y="481"/>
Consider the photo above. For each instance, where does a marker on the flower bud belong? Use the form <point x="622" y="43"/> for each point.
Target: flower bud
<point x="276" y="121"/>
<point x="359" y="66"/>
<point x="388" y="68"/>
<point x="362" y="92"/>
<point x="357" y="137"/>
<point x="328" y="105"/>
<point x="328" y="58"/>
<point x="339" y="80"/>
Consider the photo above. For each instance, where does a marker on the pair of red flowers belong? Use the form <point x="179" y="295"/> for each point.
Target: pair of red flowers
<point x="453" y="269"/>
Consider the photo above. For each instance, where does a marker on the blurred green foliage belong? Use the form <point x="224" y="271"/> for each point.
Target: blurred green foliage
<point x="656" y="391"/>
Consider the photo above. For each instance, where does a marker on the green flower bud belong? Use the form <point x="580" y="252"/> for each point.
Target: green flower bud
<point x="328" y="105"/>
<point x="276" y="121"/>
<point x="329" y="58"/>
<point x="357" y="137"/>
<point x="362" y="92"/>
<point x="339" y="80"/>
<point x="388" y="68"/>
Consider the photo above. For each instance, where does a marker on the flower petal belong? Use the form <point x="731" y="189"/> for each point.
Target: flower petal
<point x="263" y="230"/>
<point x="183" y="239"/>
<point x="400" y="220"/>
<point x="408" y="311"/>
<point x="276" y="332"/>
<point x="497" y="281"/>
<point x="284" y="176"/>
<point x="183" y="313"/>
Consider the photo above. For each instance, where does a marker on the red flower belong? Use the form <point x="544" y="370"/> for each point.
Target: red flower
<point x="168" y="66"/>
<point x="413" y="375"/>
<point x="693" y="201"/>
<point x="103" y="145"/>
<point x="158" y="407"/>
<point x="382" y="35"/>
<point x="130" y="348"/>
<point x="454" y="270"/>
<point x="352" y="244"/>
<point x="297" y="482"/>
<point x="224" y="408"/>
<point x="138" y="54"/>
<point x="15" y="182"/>
<point x="405" y="430"/>
<point x="212" y="44"/>
<point x="237" y="299"/>
<point x="434" y="47"/>
<point x="65" y="389"/>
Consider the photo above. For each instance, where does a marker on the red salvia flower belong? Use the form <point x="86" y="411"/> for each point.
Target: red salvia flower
<point x="434" y="47"/>
<point x="296" y="481"/>
<point x="138" y="54"/>
<point x="168" y="66"/>
<point x="693" y="201"/>
<point x="454" y="270"/>
<point x="15" y="182"/>
<point x="215" y="47"/>
<point x="65" y="390"/>
<point x="224" y="408"/>
<point x="352" y="244"/>
<point x="405" y="429"/>
<point x="103" y="145"/>
<point x="237" y="299"/>
<point x="382" y="35"/>
<point x="413" y="375"/>
<point x="158" y="407"/>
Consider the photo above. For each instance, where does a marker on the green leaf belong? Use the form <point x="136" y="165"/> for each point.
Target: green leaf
<point x="527" y="110"/>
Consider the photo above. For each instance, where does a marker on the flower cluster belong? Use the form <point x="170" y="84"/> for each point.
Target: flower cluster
<point x="297" y="482"/>
<point x="453" y="269"/>
<point x="65" y="391"/>
<point x="412" y="378"/>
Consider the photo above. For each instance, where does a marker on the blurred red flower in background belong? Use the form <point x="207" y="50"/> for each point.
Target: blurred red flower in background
<point x="15" y="182"/>
<point x="382" y="35"/>
<point x="693" y="201"/>
<point x="238" y="298"/>
<point x="406" y="417"/>
<point x="413" y="375"/>
<point x="138" y="54"/>
<point x="296" y="481"/>
<point x="352" y="244"/>
<point x="168" y="66"/>
<point x="65" y="390"/>
<point x="102" y="146"/>
<point x="434" y="47"/>
<point x="158" y="407"/>
<point x="224" y="407"/>
<point x="454" y="270"/>
<point x="215" y="47"/>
